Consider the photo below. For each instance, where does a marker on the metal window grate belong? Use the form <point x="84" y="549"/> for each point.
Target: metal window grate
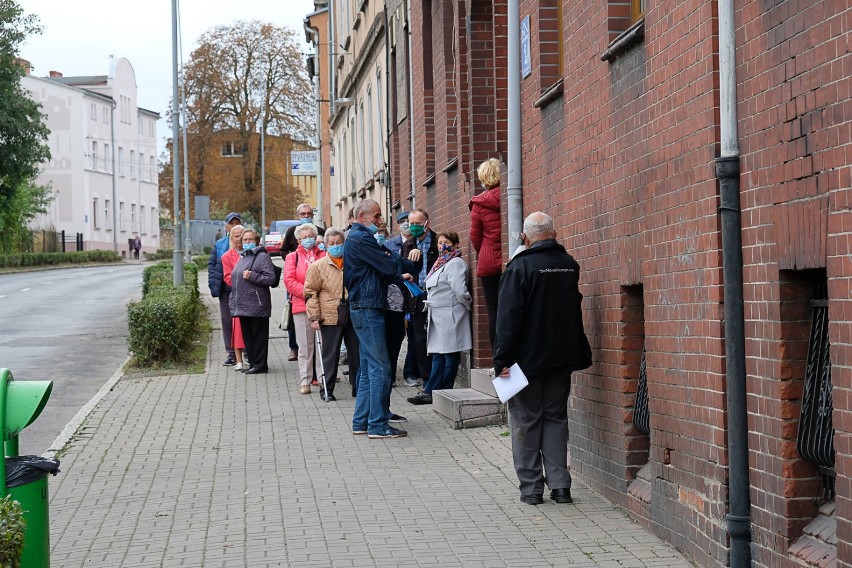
<point x="815" y="440"/>
<point x="641" y="416"/>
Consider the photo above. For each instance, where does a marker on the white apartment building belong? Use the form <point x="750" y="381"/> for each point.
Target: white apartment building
<point x="103" y="168"/>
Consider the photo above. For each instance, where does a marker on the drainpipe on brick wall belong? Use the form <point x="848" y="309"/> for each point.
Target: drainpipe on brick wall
<point x="728" y="173"/>
<point x="514" y="189"/>
<point x="411" y="197"/>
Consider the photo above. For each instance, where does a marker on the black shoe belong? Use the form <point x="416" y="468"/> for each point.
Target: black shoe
<point x="534" y="499"/>
<point x="329" y="398"/>
<point x="421" y="398"/>
<point x="397" y="418"/>
<point x="388" y="432"/>
<point x="257" y="371"/>
<point x="561" y="496"/>
<point x="230" y="361"/>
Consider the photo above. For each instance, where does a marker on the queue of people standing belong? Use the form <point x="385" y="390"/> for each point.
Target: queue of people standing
<point x="366" y="290"/>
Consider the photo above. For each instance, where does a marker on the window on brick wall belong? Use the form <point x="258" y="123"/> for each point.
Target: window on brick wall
<point x="622" y="14"/>
<point x="450" y="31"/>
<point x="637" y="10"/>
<point x="551" y="60"/>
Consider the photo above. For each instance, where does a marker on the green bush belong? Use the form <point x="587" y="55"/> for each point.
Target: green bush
<point x="161" y="254"/>
<point x="12" y="528"/>
<point x="162" y="324"/>
<point x="55" y="258"/>
<point x="200" y="262"/>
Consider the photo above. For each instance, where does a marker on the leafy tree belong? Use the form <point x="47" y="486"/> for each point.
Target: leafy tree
<point x="23" y="133"/>
<point x="240" y="79"/>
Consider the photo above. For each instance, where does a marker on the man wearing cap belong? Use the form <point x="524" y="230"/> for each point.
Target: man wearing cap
<point x="218" y="288"/>
<point x="394" y="244"/>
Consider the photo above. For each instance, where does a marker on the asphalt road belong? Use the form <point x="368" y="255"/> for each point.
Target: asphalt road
<point x="68" y="326"/>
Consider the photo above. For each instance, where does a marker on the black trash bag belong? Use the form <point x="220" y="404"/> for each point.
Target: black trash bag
<point x="21" y="470"/>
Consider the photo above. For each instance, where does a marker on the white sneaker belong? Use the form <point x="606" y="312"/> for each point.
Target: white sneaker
<point x="238" y="367"/>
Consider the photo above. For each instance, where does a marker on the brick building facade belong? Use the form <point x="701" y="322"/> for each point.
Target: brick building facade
<point x="620" y="133"/>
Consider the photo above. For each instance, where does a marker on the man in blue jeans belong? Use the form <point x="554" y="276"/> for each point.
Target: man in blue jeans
<point x="366" y="269"/>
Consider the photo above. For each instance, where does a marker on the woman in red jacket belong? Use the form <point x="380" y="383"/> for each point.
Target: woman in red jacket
<point x="485" y="236"/>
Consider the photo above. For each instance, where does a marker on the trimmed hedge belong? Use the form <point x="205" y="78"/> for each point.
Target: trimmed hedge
<point x="54" y="258"/>
<point x="162" y="324"/>
<point x="201" y="261"/>
<point x="12" y="529"/>
<point x="161" y="254"/>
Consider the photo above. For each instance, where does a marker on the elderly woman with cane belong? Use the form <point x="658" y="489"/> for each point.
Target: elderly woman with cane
<point x="328" y="311"/>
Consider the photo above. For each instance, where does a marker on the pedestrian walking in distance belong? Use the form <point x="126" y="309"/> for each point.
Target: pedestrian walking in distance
<point x="540" y="327"/>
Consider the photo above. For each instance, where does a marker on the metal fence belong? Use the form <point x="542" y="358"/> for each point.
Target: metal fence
<point x="40" y="240"/>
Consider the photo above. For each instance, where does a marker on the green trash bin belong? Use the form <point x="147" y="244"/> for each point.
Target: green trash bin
<point x="25" y="477"/>
<point x="26" y="482"/>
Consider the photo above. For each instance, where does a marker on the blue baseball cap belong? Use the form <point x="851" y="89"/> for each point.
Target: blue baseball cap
<point x="402" y="217"/>
<point x="231" y="216"/>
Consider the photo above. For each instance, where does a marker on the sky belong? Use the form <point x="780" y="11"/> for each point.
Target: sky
<point x="79" y="36"/>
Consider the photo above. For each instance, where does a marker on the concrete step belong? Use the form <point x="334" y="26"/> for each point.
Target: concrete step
<point x="468" y="408"/>
<point x="480" y="379"/>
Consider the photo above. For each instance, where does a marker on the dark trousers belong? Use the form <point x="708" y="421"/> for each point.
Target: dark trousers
<point x="409" y="368"/>
<point x="538" y="420"/>
<point x="394" y="332"/>
<point x="227" y="322"/>
<point x="445" y="367"/>
<point x="332" y="337"/>
<point x="418" y="323"/>
<point x="256" y="336"/>
<point x="490" y="287"/>
<point x="291" y="333"/>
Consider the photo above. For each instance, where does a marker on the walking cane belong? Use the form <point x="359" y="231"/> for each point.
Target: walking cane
<point x="322" y="366"/>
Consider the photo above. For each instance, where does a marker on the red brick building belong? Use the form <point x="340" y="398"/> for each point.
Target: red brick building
<point x="620" y="120"/>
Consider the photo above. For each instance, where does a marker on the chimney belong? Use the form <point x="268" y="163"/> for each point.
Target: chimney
<point x="55" y="74"/>
<point x="25" y="65"/>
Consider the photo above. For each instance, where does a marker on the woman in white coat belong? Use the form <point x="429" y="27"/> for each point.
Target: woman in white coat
<point x="449" y="303"/>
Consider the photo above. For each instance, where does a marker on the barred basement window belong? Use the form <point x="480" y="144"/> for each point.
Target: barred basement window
<point x="815" y="440"/>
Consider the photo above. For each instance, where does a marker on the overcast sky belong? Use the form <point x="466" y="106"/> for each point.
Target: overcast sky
<point x="80" y="35"/>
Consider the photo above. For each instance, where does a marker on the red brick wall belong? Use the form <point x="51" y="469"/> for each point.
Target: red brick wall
<point x="794" y="69"/>
<point x="624" y="162"/>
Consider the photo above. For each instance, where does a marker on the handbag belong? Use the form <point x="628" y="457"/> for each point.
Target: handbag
<point x="285" y="315"/>
<point x="343" y="308"/>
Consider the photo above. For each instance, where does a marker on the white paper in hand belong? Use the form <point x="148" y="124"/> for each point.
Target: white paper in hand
<point x="507" y="387"/>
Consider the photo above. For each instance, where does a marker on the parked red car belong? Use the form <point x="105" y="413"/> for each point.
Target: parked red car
<point x="273" y="240"/>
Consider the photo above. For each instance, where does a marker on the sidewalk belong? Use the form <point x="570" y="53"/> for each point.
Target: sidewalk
<point x="226" y="470"/>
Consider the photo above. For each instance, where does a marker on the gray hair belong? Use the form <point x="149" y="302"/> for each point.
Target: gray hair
<point x="538" y="226"/>
<point x="301" y="205"/>
<point x="334" y="232"/>
<point x="300" y="229"/>
<point x="364" y="206"/>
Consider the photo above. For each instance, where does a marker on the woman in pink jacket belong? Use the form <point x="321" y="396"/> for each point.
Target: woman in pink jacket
<point x="485" y="236"/>
<point x="295" y="268"/>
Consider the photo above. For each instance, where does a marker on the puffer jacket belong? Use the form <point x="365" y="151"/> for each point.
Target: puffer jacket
<point x="250" y="297"/>
<point x="485" y="230"/>
<point x="214" y="267"/>
<point x="323" y="290"/>
<point x="295" y="268"/>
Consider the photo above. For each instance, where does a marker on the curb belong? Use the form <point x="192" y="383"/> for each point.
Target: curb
<point x="71" y="428"/>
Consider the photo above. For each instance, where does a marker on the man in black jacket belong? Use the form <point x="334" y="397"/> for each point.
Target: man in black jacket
<point x="540" y="327"/>
<point x="422" y="248"/>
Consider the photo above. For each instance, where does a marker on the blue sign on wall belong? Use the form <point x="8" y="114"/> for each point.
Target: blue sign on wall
<point x="526" y="59"/>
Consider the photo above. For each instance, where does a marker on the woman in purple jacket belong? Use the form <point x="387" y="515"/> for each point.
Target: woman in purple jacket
<point x="251" y="300"/>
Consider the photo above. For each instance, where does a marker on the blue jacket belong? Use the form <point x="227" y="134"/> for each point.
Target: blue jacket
<point x="215" y="274"/>
<point x="367" y="269"/>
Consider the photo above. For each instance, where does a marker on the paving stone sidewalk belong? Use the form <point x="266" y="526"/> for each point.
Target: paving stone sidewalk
<point x="227" y="470"/>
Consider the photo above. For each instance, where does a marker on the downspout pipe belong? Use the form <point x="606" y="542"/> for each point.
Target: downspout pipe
<point x="728" y="173"/>
<point x="332" y="47"/>
<point x="412" y="197"/>
<point x="386" y="92"/>
<point x="514" y="189"/>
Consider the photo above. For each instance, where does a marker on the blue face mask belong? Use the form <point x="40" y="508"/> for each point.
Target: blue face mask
<point x="372" y="228"/>
<point x="321" y="246"/>
<point x="336" y="251"/>
<point x="248" y="246"/>
<point x="445" y="248"/>
<point x="309" y="242"/>
<point x="306" y="220"/>
<point x="380" y="238"/>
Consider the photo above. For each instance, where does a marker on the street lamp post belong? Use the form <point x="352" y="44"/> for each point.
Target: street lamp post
<point x="177" y="255"/>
